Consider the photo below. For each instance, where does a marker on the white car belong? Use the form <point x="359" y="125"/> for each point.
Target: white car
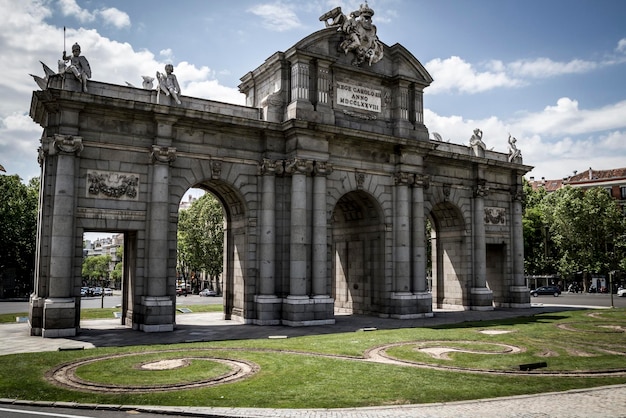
<point x="621" y="292"/>
<point x="207" y="292"/>
<point x="108" y="292"/>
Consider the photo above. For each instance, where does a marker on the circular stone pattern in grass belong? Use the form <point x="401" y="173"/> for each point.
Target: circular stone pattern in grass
<point x="593" y="327"/>
<point x="137" y="372"/>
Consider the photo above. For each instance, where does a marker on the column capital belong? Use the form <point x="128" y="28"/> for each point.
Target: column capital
<point x="164" y="155"/>
<point x="403" y="178"/>
<point x="481" y="189"/>
<point x="517" y="193"/>
<point x="322" y="168"/>
<point x="421" y="180"/>
<point x="298" y="166"/>
<point x="63" y="144"/>
<point x="269" y="167"/>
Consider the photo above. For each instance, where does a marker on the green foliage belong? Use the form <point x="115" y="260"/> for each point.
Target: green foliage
<point x="201" y="236"/>
<point x="572" y="230"/>
<point x="18" y="217"/>
<point x="96" y="267"/>
<point x="586" y="226"/>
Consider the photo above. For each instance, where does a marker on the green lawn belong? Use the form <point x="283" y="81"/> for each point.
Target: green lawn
<point x="326" y="371"/>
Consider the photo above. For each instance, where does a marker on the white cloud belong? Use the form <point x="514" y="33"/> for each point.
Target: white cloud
<point x="555" y="141"/>
<point x="27" y="35"/>
<point x="455" y="74"/>
<point x="71" y="8"/>
<point x="545" y="67"/>
<point x="115" y="17"/>
<point x="277" y="17"/>
<point x="621" y="45"/>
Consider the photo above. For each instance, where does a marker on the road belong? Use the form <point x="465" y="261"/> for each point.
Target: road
<point x="22" y="411"/>
<point x="109" y="302"/>
<point x="566" y="299"/>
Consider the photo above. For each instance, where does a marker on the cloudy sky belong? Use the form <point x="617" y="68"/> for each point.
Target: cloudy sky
<point x="550" y="72"/>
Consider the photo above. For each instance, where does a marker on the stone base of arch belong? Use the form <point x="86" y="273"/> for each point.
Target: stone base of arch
<point x="301" y="311"/>
<point x="157" y="314"/>
<point x="406" y="305"/>
<point x="481" y="299"/>
<point x="519" y="296"/>
<point x="53" y="317"/>
<point x="268" y="310"/>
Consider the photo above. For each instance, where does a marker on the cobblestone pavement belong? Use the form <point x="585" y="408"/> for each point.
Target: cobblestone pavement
<point x="606" y="402"/>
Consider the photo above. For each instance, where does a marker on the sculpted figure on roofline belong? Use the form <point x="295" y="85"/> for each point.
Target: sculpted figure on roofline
<point x="361" y="38"/>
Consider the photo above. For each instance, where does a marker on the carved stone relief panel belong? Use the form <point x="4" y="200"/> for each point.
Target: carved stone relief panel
<point x="112" y="185"/>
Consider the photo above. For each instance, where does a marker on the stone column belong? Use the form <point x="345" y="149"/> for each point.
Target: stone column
<point x="481" y="297"/>
<point x="60" y="318"/>
<point x="419" y="281"/>
<point x="402" y="236"/>
<point x="418" y="231"/>
<point x="520" y="297"/>
<point x="299" y="170"/>
<point x="320" y="251"/>
<point x="267" y="304"/>
<point x="157" y="304"/>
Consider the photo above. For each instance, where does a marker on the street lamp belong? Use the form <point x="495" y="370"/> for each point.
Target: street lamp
<point x="611" y="273"/>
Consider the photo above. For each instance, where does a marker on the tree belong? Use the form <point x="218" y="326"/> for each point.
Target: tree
<point x="586" y="225"/>
<point x="96" y="268"/>
<point x="201" y="238"/>
<point x="539" y="250"/>
<point x="18" y="217"/>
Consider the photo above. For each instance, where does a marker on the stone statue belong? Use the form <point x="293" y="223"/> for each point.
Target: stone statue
<point x="79" y="66"/>
<point x="147" y="82"/>
<point x="477" y="139"/>
<point x="477" y="144"/>
<point x="360" y="33"/>
<point x="514" y="153"/>
<point x="168" y="83"/>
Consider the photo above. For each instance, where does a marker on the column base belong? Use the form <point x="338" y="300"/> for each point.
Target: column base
<point x="156" y="314"/>
<point x="519" y="296"/>
<point x="59" y="318"/>
<point x="302" y="311"/>
<point x="268" y="310"/>
<point x="406" y="305"/>
<point x="481" y="299"/>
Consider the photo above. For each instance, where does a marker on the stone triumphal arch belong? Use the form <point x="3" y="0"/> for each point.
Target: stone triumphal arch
<point x="327" y="177"/>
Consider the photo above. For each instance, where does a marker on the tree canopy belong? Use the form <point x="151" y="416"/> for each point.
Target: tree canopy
<point x="573" y="230"/>
<point x="18" y="217"/>
<point x="201" y="237"/>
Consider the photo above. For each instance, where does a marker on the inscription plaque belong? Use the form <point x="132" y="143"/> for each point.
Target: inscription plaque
<point x="359" y="97"/>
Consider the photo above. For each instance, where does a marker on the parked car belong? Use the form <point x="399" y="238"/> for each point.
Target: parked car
<point x="96" y="291"/>
<point x="621" y="292"/>
<point x="546" y="290"/>
<point x="108" y="292"/>
<point x="207" y="292"/>
<point x="180" y="291"/>
<point x="84" y="291"/>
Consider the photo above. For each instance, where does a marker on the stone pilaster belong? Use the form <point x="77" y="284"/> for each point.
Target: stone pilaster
<point x="420" y="285"/>
<point x="402" y="235"/>
<point x="519" y="295"/>
<point x="268" y="306"/>
<point x="481" y="297"/>
<point x="157" y="309"/>
<point x="60" y="316"/>
<point x="320" y="230"/>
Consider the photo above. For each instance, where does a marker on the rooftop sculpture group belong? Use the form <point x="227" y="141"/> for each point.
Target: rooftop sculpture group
<point x="361" y="38"/>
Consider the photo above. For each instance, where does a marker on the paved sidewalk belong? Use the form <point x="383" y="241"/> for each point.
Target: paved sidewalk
<point x="606" y="402"/>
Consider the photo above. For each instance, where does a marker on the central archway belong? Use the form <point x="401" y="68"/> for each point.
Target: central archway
<point x="357" y="236"/>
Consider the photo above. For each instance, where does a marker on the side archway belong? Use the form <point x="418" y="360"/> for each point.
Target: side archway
<point x="451" y="279"/>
